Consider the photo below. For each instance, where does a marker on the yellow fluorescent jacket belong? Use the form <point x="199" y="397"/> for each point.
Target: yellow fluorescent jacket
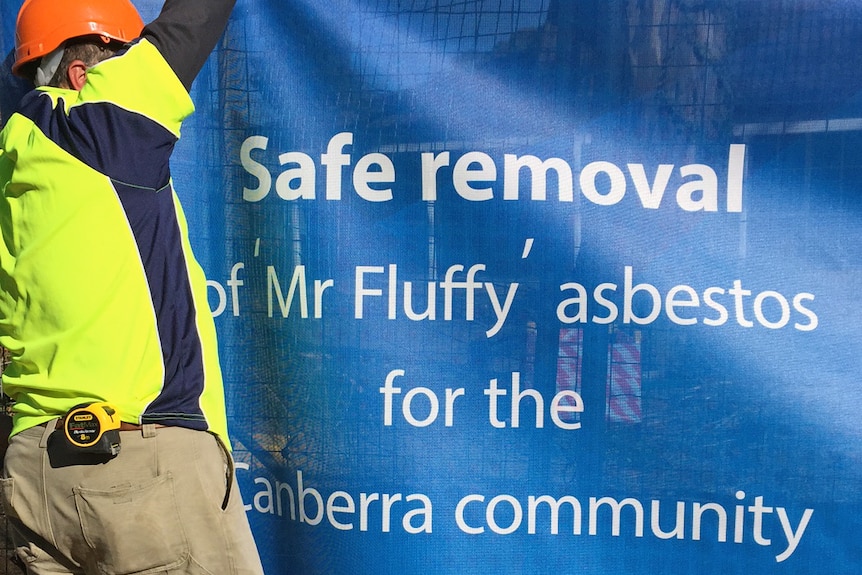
<point x="100" y="295"/>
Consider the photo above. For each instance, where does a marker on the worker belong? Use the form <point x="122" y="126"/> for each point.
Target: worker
<point x="119" y="459"/>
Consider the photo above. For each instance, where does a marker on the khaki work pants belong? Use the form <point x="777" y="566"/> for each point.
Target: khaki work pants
<point x="168" y="504"/>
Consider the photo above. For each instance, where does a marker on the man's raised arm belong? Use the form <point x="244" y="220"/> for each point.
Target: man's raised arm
<point x="186" y="31"/>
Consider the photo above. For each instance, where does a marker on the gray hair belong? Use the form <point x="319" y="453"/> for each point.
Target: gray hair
<point x="90" y="51"/>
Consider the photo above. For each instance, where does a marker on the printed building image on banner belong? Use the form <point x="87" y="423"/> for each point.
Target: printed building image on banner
<point x="536" y="286"/>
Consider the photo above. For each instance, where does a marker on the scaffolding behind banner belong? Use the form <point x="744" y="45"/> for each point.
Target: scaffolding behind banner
<point x="684" y="74"/>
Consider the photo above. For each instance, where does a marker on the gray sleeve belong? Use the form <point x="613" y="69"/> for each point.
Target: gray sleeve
<point x="186" y="31"/>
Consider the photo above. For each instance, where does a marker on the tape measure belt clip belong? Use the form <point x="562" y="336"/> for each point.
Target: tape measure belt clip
<point x="94" y="427"/>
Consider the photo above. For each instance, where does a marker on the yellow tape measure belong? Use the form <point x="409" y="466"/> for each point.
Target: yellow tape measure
<point x="94" y="425"/>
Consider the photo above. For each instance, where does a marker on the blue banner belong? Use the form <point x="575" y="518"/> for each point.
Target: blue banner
<point x="535" y="286"/>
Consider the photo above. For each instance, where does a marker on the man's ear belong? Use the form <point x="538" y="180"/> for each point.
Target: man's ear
<point x="76" y="74"/>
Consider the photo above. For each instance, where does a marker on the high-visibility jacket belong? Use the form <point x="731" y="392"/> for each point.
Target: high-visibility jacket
<point x="101" y="298"/>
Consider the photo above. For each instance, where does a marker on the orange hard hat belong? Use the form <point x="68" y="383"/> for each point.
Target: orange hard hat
<point x="43" y="25"/>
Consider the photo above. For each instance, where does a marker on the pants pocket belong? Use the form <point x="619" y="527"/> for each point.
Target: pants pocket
<point x="7" y="496"/>
<point x="133" y="529"/>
